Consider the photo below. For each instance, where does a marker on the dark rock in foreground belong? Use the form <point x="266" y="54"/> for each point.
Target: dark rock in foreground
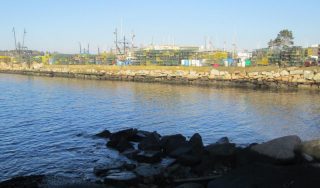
<point x="173" y="161"/>
<point x="267" y="175"/>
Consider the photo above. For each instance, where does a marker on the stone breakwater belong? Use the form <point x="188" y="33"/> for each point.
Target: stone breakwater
<point x="174" y="161"/>
<point x="289" y="78"/>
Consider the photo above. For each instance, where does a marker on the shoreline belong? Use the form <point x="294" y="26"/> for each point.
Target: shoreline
<point x="173" y="161"/>
<point x="281" y="79"/>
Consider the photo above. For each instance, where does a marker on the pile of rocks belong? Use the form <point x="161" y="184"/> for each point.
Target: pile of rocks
<point x="174" y="161"/>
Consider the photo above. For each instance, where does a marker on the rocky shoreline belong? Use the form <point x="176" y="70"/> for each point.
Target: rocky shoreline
<point x="175" y="161"/>
<point x="287" y="78"/>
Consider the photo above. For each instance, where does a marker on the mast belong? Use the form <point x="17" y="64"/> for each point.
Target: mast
<point x="15" y="38"/>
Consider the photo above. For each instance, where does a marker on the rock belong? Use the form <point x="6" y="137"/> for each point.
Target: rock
<point x="280" y="149"/>
<point x="196" y="143"/>
<point x="122" y="177"/>
<point x="128" y="134"/>
<point x="284" y="73"/>
<point x="189" y="159"/>
<point x="140" y="135"/>
<point x="23" y="182"/>
<point x="221" y="150"/>
<point x="150" y="142"/>
<point x="172" y="142"/>
<point x="308" y="75"/>
<point x="130" y="153"/>
<point x="317" y="77"/>
<point x="311" y="148"/>
<point x="296" y="72"/>
<point x="205" y="167"/>
<point x="190" y="185"/>
<point x="266" y="175"/>
<point x="182" y="150"/>
<point x="146" y="170"/>
<point x="104" y="134"/>
<point x="214" y="72"/>
<point x="148" y="157"/>
<point x="223" y="140"/>
<point x="120" y="145"/>
<point x="178" y="171"/>
<point x="102" y="170"/>
<point x="251" y="74"/>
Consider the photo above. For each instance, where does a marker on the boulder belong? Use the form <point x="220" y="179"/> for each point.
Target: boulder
<point x="130" y="153"/>
<point x="150" y="142"/>
<point x="103" y="169"/>
<point x="148" y="157"/>
<point x="221" y="150"/>
<point x="311" y="148"/>
<point x="189" y="159"/>
<point x="182" y="150"/>
<point x="296" y="72"/>
<point x="223" y="140"/>
<point x="280" y="149"/>
<point x="128" y="134"/>
<point x="317" y="77"/>
<point x="214" y="72"/>
<point x="284" y="73"/>
<point x="172" y="142"/>
<point x="266" y="175"/>
<point x="146" y="170"/>
<point x="308" y="75"/>
<point x="104" y="134"/>
<point x="196" y="143"/>
<point x="120" y="145"/>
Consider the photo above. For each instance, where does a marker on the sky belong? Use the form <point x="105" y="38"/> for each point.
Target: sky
<point x="59" y="25"/>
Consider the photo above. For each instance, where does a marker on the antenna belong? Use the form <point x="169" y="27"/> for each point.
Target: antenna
<point x="15" y="38"/>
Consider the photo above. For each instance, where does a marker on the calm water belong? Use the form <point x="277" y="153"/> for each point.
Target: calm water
<point x="46" y="124"/>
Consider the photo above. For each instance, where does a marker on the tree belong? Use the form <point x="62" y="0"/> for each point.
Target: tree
<point x="284" y="39"/>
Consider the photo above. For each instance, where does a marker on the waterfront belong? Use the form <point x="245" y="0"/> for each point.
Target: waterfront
<point x="47" y="123"/>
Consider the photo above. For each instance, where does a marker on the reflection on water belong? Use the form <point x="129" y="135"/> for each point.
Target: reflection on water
<point x="47" y="123"/>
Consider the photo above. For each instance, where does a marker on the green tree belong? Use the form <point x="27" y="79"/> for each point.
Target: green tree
<point x="284" y="39"/>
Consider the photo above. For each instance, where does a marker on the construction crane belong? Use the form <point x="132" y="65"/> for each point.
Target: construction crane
<point x="15" y="38"/>
<point x="23" y="38"/>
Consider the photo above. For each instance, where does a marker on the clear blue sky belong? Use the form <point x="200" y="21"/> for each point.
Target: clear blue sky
<point x="58" y="25"/>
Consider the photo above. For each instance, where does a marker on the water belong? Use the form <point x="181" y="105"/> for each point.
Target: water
<point x="46" y="124"/>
